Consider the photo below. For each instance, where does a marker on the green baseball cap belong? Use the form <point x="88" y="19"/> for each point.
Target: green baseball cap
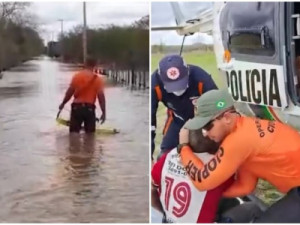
<point x="208" y="106"/>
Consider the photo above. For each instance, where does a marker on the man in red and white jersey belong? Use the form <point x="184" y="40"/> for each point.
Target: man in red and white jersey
<point x="174" y="194"/>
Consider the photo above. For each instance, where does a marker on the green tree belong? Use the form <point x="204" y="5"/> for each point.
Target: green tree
<point x="125" y="47"/>
<point x="18" y="36"/>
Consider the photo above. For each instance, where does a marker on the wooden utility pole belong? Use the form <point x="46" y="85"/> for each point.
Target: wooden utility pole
<point x="61" y="36"/>
<point x="61" y="27"/>
<point x="84" y="46"/>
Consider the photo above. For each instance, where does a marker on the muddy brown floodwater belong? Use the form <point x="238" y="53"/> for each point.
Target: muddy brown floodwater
<point x="49" y="176"/>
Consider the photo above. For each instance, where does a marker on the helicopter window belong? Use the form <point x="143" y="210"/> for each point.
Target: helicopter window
<point x="249" y="30"/>
<point x="251" y="41"/>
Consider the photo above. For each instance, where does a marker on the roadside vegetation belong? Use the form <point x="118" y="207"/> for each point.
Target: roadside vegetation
<point x="120" y="47"/>
<point x="19" y="39"/>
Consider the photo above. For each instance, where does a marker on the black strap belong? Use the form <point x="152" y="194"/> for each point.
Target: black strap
<point x="77" y="92"/>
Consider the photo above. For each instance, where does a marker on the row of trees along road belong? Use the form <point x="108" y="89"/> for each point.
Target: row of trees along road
<point x="121" y="47"/>
<point x="19" y="40"/>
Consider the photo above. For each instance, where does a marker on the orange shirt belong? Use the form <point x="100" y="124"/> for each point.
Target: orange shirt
<point x="254" y="149"/>
<point x="86" y="85"/>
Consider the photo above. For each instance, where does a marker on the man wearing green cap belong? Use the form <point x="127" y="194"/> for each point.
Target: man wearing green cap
<point x="251" y="147"/>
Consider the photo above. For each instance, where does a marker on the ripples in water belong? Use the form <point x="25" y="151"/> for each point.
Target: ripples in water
<point x="48" y="175"/>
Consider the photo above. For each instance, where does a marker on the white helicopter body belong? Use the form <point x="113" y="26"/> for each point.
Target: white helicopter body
<point x="263" y="42"/>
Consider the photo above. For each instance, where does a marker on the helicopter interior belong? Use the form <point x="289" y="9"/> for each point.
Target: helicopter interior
<point x="296" y="37"/>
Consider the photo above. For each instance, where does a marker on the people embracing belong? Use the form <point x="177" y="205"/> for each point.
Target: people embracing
<point x="173" y="193"/>
<point x="251" y="148"/>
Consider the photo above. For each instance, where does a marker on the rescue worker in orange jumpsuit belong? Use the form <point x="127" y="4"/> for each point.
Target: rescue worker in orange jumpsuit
<point x="253" y="148"/>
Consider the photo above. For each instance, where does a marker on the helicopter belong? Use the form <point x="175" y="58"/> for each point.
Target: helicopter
<point x="257" y="49"/>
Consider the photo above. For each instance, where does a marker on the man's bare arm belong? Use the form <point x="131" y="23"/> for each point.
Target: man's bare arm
<point x="69" y="93"/>
<point x="101" y="100"/>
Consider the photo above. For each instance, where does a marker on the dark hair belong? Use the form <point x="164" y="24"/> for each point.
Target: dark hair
<point x="90" y="62"/>
<point x="200" y="144"/>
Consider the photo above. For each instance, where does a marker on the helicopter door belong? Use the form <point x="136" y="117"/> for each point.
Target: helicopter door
<point x="293" y="49"/>
<point x="251" y="32"/>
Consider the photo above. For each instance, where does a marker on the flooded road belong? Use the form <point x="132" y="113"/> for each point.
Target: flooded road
<point x="49" y="176"/>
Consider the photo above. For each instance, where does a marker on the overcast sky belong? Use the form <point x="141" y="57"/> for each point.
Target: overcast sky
<point x="98" y="14"/>
<point x="162" y="15"/>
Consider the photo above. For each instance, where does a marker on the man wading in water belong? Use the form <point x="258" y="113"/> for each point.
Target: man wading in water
<point x="85" y="87"/>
